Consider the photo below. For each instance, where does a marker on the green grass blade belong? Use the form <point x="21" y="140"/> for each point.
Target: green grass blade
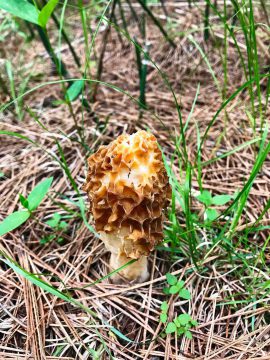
<point x="59" y="294"/>
<point x="156" y="22"/>
<point x="205" y="59"/>
<point x="13" y="221"/>
<point x="233" y="151"/>
<point x="192" y="107"/>
<point x="226" y="102"/>
<point x="46" y="12"/>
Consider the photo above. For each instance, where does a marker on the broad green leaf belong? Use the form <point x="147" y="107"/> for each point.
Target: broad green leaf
<point x="174" y="289"/>
<point x="180" y="283"/>
<point x="205" y="197"/>
<point x="38" y="193"/>
<point x="21" y="8"/>
<point x="46" y="12"/>
<point x="171" y="279"/>
<point x="180" y="330"/>
<point x="188" y="334"/>
<point x="184" y="294"/>
<point x="74" y="90"/>
<point x="170" y="328"/>
<point x="13" y="221"/>
<point x="211" y="214"/>
<point x="57" y="217"/>
<point x="221" y="199"/>
<point x="23" y="201"/>
<point x="177" y="323"/>
<point x="184" y="319"/>
<point x="54" y="221"/>
<point x="163" y="317"/>
<point x="164" y="306"/>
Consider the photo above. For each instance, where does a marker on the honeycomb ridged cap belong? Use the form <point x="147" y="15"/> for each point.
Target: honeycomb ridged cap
<point x="128" y="190"/>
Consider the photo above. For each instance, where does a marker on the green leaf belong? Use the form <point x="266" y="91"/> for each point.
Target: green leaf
<point x="38" y="193"/>
<point x="174" y="289"/>
<point x="163" y="317"/>
<point x="185" y="294"/>
<point x="211" y="214"/>
<point x="164" y="306"/>
<point x="13" y="221"/>
<point x="95" y="354"/>
<point x="170" y="328"/>
<point x="180" y="330"/>
<point x="166" y="290"/>
<point x="57" y="217"/>
<point x="46" y="239"/>
<point x="171" y="279"/>
<point x="54" y="221"/>
<point x="188" y="334"/>
<point x="60" y="240"/>
<point x="23" y="201"/>
<point x="184" y="319"/>
<point x="62" y="225"/>
<point x="74" y="90"/>
<point x="221" y="199"/>
<point x="46" y="12"/>
<point x="177" y="323"/>
<point x="21" y="8"/>
<point x="180" y="283"/>
<point x="205" y="197"/>
<point x="194" y="322"/>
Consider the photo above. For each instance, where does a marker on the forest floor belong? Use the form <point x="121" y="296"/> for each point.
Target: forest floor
<point x="229" y="300"/>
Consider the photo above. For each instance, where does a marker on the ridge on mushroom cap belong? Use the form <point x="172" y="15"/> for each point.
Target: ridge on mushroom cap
<point x="128" y="189"/>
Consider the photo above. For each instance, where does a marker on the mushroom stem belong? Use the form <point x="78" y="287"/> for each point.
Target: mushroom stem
<point x="137" y="271"/>
<point x="117" y="244"/>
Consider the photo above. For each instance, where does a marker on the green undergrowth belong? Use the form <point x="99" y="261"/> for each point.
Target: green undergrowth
<point x="189" y="234"/>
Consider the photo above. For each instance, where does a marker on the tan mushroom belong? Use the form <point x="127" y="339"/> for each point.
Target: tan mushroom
<point x="128" y="190"/>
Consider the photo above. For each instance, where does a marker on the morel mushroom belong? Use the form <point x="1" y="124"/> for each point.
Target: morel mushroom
<point x="128" y="190"/>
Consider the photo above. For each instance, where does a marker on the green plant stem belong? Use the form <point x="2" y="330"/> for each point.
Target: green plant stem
<point x="156" y="22"/>
<point x="122" y="13"/>
<point x="71" y="48"/>
<point x="206" y="22"/>
<point x="103" y="49"/>
<point x="265" y="11"/>
<point x="133" y="12"/>
<point x="30" y="29"/>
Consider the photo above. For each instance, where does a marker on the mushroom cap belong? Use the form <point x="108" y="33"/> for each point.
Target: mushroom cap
<point x="128" y="188"/>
